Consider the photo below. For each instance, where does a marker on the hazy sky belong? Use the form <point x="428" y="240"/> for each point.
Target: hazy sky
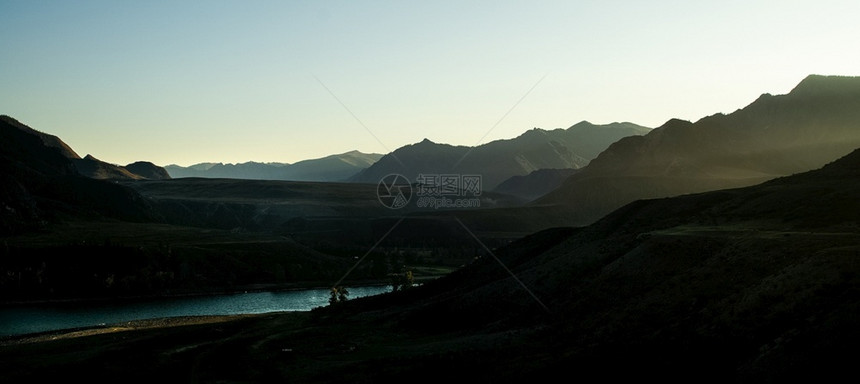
<point x="232" y="81"/>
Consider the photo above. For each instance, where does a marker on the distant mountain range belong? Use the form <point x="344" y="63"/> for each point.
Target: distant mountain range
<point x="499" y="160"/>
<point x="330" y="168"/>
<point x="496" y="161"/>
<point x="817" y="122"/>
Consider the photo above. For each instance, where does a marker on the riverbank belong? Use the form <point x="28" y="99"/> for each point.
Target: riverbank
<point x="299" y="286"/>
<point x="134" y="325"/>
<point x="203" y="293"/>
<point x="343" y="343"/>
<point x="50" y="317"/>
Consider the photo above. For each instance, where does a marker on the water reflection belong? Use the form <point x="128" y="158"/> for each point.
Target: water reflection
<point x="48" y="317"/>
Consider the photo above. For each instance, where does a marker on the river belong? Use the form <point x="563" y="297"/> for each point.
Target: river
<point x="24" y="319"/>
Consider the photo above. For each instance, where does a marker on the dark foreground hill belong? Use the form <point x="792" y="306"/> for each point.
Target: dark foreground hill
<point x="817" y="122"/>
<point x="10" y="124"/>
<point x="758" y="284"/>
<point x="40" y="184"/>
<point x="88" y="166"/>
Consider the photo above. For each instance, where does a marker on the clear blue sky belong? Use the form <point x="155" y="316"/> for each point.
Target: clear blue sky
<point x="232" y="81"/>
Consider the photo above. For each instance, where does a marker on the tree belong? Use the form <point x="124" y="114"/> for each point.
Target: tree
<point x="339" y="294"/>
<point x="403" y="280"/>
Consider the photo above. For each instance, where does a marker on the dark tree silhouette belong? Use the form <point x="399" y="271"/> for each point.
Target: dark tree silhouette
<point x="338" y="294"/>
<point x="403" y="280"/>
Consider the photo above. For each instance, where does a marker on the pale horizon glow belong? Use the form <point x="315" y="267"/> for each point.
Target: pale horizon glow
<point x="283" y="81"/>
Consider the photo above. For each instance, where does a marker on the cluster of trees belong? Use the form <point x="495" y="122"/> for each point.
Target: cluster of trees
<point x="403" y="280"/>
<point x="85" y="270"/>
<point x="99" y="269"/>
<point x="399" y="282"/>
<point x="339" y="294"/>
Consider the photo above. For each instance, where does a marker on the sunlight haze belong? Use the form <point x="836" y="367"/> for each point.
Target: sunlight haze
<point x="282" y="81"/>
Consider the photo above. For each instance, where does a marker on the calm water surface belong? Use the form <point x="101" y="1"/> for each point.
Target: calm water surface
<point x="19" y="320"/>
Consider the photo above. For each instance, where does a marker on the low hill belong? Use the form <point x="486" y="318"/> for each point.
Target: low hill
<point x="94" y="168"/>
<point x="147" y="170"/>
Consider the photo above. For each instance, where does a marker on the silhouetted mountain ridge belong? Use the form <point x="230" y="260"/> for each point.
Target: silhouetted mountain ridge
<point x="817" y="122"/>
<point x="337" y="167"/>
<point x="94" y="168"/>
<point x="89" y="165"/>
<point x="40" y="183"/>
<point x="499" y="160"/>
<point x="48" y="140"/>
